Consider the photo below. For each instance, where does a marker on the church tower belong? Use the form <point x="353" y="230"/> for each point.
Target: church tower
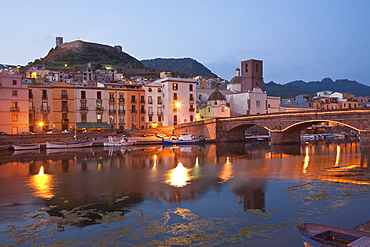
<point x="252" y="75"/>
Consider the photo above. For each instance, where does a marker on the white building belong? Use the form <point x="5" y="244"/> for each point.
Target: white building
<point x="154" y="111"/>
<point x="179" y="104"/>
<point x="216" y="106"/>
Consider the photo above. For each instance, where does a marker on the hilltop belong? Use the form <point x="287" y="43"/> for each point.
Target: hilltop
<point x="189" y="66"/>
<point x="78" y="54"/>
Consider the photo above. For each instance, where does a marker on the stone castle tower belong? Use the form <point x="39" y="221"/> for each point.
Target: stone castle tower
<point x="252" y="75"/>
<point x="58" y="41"/>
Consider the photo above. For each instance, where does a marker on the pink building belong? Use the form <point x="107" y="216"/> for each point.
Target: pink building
<point x="13" y="104"/>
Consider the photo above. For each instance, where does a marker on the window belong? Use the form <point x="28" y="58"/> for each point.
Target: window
<point x="258" y="104"/>
<point x="246" y="68"/>
<point x="150" y="118"/>
<point x="142" y="99"/>
<point x="175" y="96"/>
<point x="159" y="118"/>
<point x="14" y="82"/>
<point x="15" y="93"/>
<point x="191" y="97"/>
<point x="159" y="90"/>
<point x="64" y="93"/>
<point x="99" y="117"/>
<point x="256" y="67"/>
<point x="83" y="94"/>
<point x="44" y="95"/>
<point x="133" y="118"/>
<point x="83" y="118"/>
<point x="133" y="99"/>
<point x="191" y="87"/>
<point x="150" y="100"/>
<point x="191" y="118"/>
<point x="15" y="117"/>
<point x="215" y="102"/>
<point x="121" y="119"/>
<point x="159" y="100"/>
<point x="98" y="95"/>
<point x="175" y="86"/>
<point x="150" y="110"/>
<point x="150" y="89"/>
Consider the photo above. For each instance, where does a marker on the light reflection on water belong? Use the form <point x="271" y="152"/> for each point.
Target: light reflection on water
<point x="228" y="194"/>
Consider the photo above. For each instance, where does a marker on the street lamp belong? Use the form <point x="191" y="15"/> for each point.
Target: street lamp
<point x="177" y="106"/>
<point x="41" y="125"/>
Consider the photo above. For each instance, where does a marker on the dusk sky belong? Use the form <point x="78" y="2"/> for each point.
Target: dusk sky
<point x="297" y="40"/>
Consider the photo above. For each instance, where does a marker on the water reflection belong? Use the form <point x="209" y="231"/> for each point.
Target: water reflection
<point x="86" y="187"/>
<point x="42" y="184"/>
<point x="178" y="176"/>
<point x="306" y="161"/>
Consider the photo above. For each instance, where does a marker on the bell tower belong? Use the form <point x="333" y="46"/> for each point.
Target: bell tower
<point x="252" y="75"/>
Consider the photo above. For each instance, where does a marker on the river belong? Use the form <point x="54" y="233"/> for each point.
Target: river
<point x="230" y="194"/>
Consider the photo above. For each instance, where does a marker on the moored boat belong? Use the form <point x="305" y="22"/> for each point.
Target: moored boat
<point x="183" y="139"/>
<point x="314" y="235"/>
<point x="122" y="142"/>
<point x="26" y="146"/>
<point x="74" y="144"/>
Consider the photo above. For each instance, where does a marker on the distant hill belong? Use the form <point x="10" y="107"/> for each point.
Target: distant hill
<point x="285" y="91"/>
<point x="342" y="85"/>
<point x="294" y="88"/>
<point x="188" y="66"/>
<point x="78" y="54"/>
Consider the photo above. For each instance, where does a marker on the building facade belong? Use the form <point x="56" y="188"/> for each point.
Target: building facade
<point x="179" y="105"/>
<point x="13" y="104"/>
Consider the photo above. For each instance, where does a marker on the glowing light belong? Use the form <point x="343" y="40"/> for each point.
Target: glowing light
<point x="42" y="184"/>
<point x="178" y="176"/>
<point x="306" y="160"/>
<point x="41" y="124"/>
<point x="227" y="171"/>
<point x="337" y="158"/>
<point x="177" y="105"/>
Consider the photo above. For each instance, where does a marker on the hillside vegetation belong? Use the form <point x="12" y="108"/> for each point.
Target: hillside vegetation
<point x="188" y="66"/>
<point x="62" y="57"/>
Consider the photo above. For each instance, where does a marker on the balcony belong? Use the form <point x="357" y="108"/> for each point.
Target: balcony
<point x="121" y="111"/>
<point x="142" y="111"/>
<point x="99" y="101"/>
<point x="133" y="101"/>
<point x="159" y="102"/>
<point x="64" y="96"/>
<point x="31" y="108"/>
<point x="45" y="108"/>
<point x="14" y="109"/>
<point x="160" y="113"/>
<point x="191" y="109"/>
<point x="65" y="120"/>
<point x="84" y="108"/>
<point x="64" y="108"/>
<point x="100" y="109"/>
<point x="111" y="99"/>
<point x="150" y="102"/>
<point x="121" y="100"/>
<point x="150" y="113"/>
<point x="112" y="111"/>
<point x="142" y="101"/>
<point x="83" y="100"/>
<point x="133" y="111"/>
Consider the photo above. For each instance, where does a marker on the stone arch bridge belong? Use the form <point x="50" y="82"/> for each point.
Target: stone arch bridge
<point x="284" y="127"/>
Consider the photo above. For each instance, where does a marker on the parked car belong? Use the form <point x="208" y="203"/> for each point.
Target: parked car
<point x="68" y="131"/>
<point x="3" y="134"/>
<point x="87" y="131"/>
<point x="53" y="132"/>
<point x="25" y="133"/>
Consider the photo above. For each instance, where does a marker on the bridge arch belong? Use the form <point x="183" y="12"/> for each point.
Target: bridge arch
<point x="305" y="124"/>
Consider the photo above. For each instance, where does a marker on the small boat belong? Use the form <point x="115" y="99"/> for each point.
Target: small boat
<point x="26" y="146"/>
<point x="74" y="144"/>
<point x="183" y="139"/>
<point x="122" y="142"/>
<point x="314" y="235"/>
